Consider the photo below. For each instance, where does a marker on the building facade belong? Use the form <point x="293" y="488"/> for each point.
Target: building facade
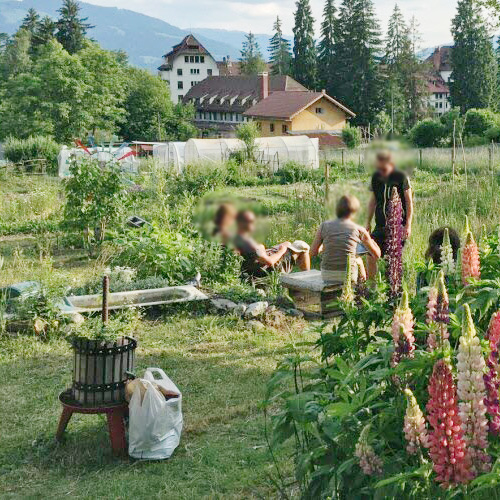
<point x="186" y="65"/>
<point x="314" y="114"/>
<point x="438" y="80"/>
<point x="221" y="101"/>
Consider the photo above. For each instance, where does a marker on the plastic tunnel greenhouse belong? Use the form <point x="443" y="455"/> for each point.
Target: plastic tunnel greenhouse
<point x="170" y="155"/>
<point x="210" y="150"/>
<point x="275" y="151"/>
<point x="272" y="151"/>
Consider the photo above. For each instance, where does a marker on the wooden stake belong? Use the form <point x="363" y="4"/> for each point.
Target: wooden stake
<point x="327" y="183"/>
<point x="105" y="296"/>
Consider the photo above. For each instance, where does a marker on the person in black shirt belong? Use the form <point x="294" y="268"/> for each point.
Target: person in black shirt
<point x="385" y="178"/>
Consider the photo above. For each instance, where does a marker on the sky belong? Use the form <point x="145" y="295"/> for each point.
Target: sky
<point x="434" y="16"/>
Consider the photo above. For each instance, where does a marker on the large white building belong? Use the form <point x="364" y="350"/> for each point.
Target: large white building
<point x="187" y="64"/>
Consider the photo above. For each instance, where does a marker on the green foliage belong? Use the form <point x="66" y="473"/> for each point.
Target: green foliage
<point x="327" y="49"/>
<point x="382" y="124"/>
<point x="280" y="51"/>
<point x="96" y="197"/>
<point x="173" y="255"/>
<point x="304" y="48"/>
<point x="71" y="29"/>
<point x="33" y="148"/>
<point x="251" y="60"/>
<point x="478" y="121"/>
<point x="472" y="55"/>
<point x="122" y="324"/>
<point x="358" y="79"/>
<point x="427" y="133"/>
<point x="150" y="114"/>
<point x="492" y="134"/>
<point x="248" y="132"/>
<point x="351" y="136"/>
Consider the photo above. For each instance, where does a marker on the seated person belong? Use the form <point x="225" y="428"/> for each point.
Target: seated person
<point x="436" y="241"/>
<point x="338" y="239"/>
<point x="223" y="222"/>
<point x="257" y="260"/>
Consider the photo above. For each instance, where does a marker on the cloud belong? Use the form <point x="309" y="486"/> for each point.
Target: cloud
<point x="258" y="15"/>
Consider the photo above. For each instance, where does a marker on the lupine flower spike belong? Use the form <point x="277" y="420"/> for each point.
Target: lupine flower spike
<point x="446" y="444"/>
<point x="370" y="463"/>
<point x="402" y="331"/>
<point x="472" y="393"/>
<point x="414" y="426"/>
<point x="347" y="296"/>
<point x="471" y="267"/>
<point x="491" y="378"/>
<point x="394" y="248"/>
<point x="438" y="314"/>
<point x="447" y="260"/>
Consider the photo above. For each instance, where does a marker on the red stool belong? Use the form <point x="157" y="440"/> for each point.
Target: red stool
<point x="115" y="413"/>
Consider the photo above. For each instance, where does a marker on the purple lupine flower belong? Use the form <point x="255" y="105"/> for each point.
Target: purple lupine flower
<point x="491" y="378"/>
<point x="438" y="313"/>
<point x="394" y="248"/>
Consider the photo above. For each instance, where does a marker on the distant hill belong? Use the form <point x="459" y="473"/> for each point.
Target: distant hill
<point x="144" y="38"/>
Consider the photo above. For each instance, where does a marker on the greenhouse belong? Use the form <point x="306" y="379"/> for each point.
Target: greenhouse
<point x="274" y="151"/>
<point x="210" y="150"/>
<point x="170" y="155"/>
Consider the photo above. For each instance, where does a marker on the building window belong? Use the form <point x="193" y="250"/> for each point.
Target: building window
<point x="284" y="129"/>
<point x="319" y="111"/>
<point x="186" y="58"/>
<point x="191" y="59"/>
<point x="179" y="72"/>
<point x="180" y="85"/>
<point x="195" y="71"/>
<point x="197" y="59"/>
<point x="202" y="59"/>
<point x="271" y="127"/>
<point x="209" y="72"/>
<point x="193" y="84"/>
<point x="180" y="98"/>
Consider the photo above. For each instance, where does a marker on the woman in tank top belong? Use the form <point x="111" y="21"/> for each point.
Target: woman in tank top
<point x="337" y="239"/>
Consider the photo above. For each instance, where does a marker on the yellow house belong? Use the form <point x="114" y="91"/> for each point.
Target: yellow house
<point x="300" y="113"/>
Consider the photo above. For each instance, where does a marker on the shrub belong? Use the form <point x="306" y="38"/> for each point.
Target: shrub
<point x="292" y="172"/>
<point x="478" y="121"/>
<point x="95" y="196"/>
<point x="427" y="133"/>
<point x="382" y="124"/>
<point x="248" y="132"/>
<point x="493" y="134"/>
<point x="33" y="148"/>
<point x="351" y="136"/>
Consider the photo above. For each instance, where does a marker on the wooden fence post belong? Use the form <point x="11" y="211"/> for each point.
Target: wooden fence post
<point x="420" y="158"/>
<point x="327" y="183"/>
<point x="105" y="297"/>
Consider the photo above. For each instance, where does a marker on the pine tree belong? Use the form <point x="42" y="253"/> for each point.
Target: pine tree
<point x="45" y="32"/>
<point x="398" y="40"/>
<point x="326" y="48"/>
<point x="304" y="49"/>
<point x="358" y="78"/>
<point x="280" y="51"/>
<point x="31" y="21"/>
<point x="251" y="57"/>
<point x="474" y="68"/>
<point x="71" y="29"/>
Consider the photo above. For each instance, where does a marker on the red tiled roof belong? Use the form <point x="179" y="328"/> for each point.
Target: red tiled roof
<point x="285" y="105"/>
<point x="436" y="84"/>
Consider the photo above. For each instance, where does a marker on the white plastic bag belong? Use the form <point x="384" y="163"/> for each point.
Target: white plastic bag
<point x="155" y="426"/>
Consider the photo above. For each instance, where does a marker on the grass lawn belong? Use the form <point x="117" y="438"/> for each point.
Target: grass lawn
<point x="220" y="363"/>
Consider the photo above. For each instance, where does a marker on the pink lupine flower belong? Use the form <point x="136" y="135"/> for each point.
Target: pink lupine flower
<point x="446" y="444"/>
<point x="402" y="331"/>
<point x="414" y="425"/>
<point x="438" y="313"/>
<point x="394" y="245"/>
<point x="370" y="463"/>
<point x="491" y="378"/>
<point x="471" y="266"/>
<point x="471" y="392"/>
